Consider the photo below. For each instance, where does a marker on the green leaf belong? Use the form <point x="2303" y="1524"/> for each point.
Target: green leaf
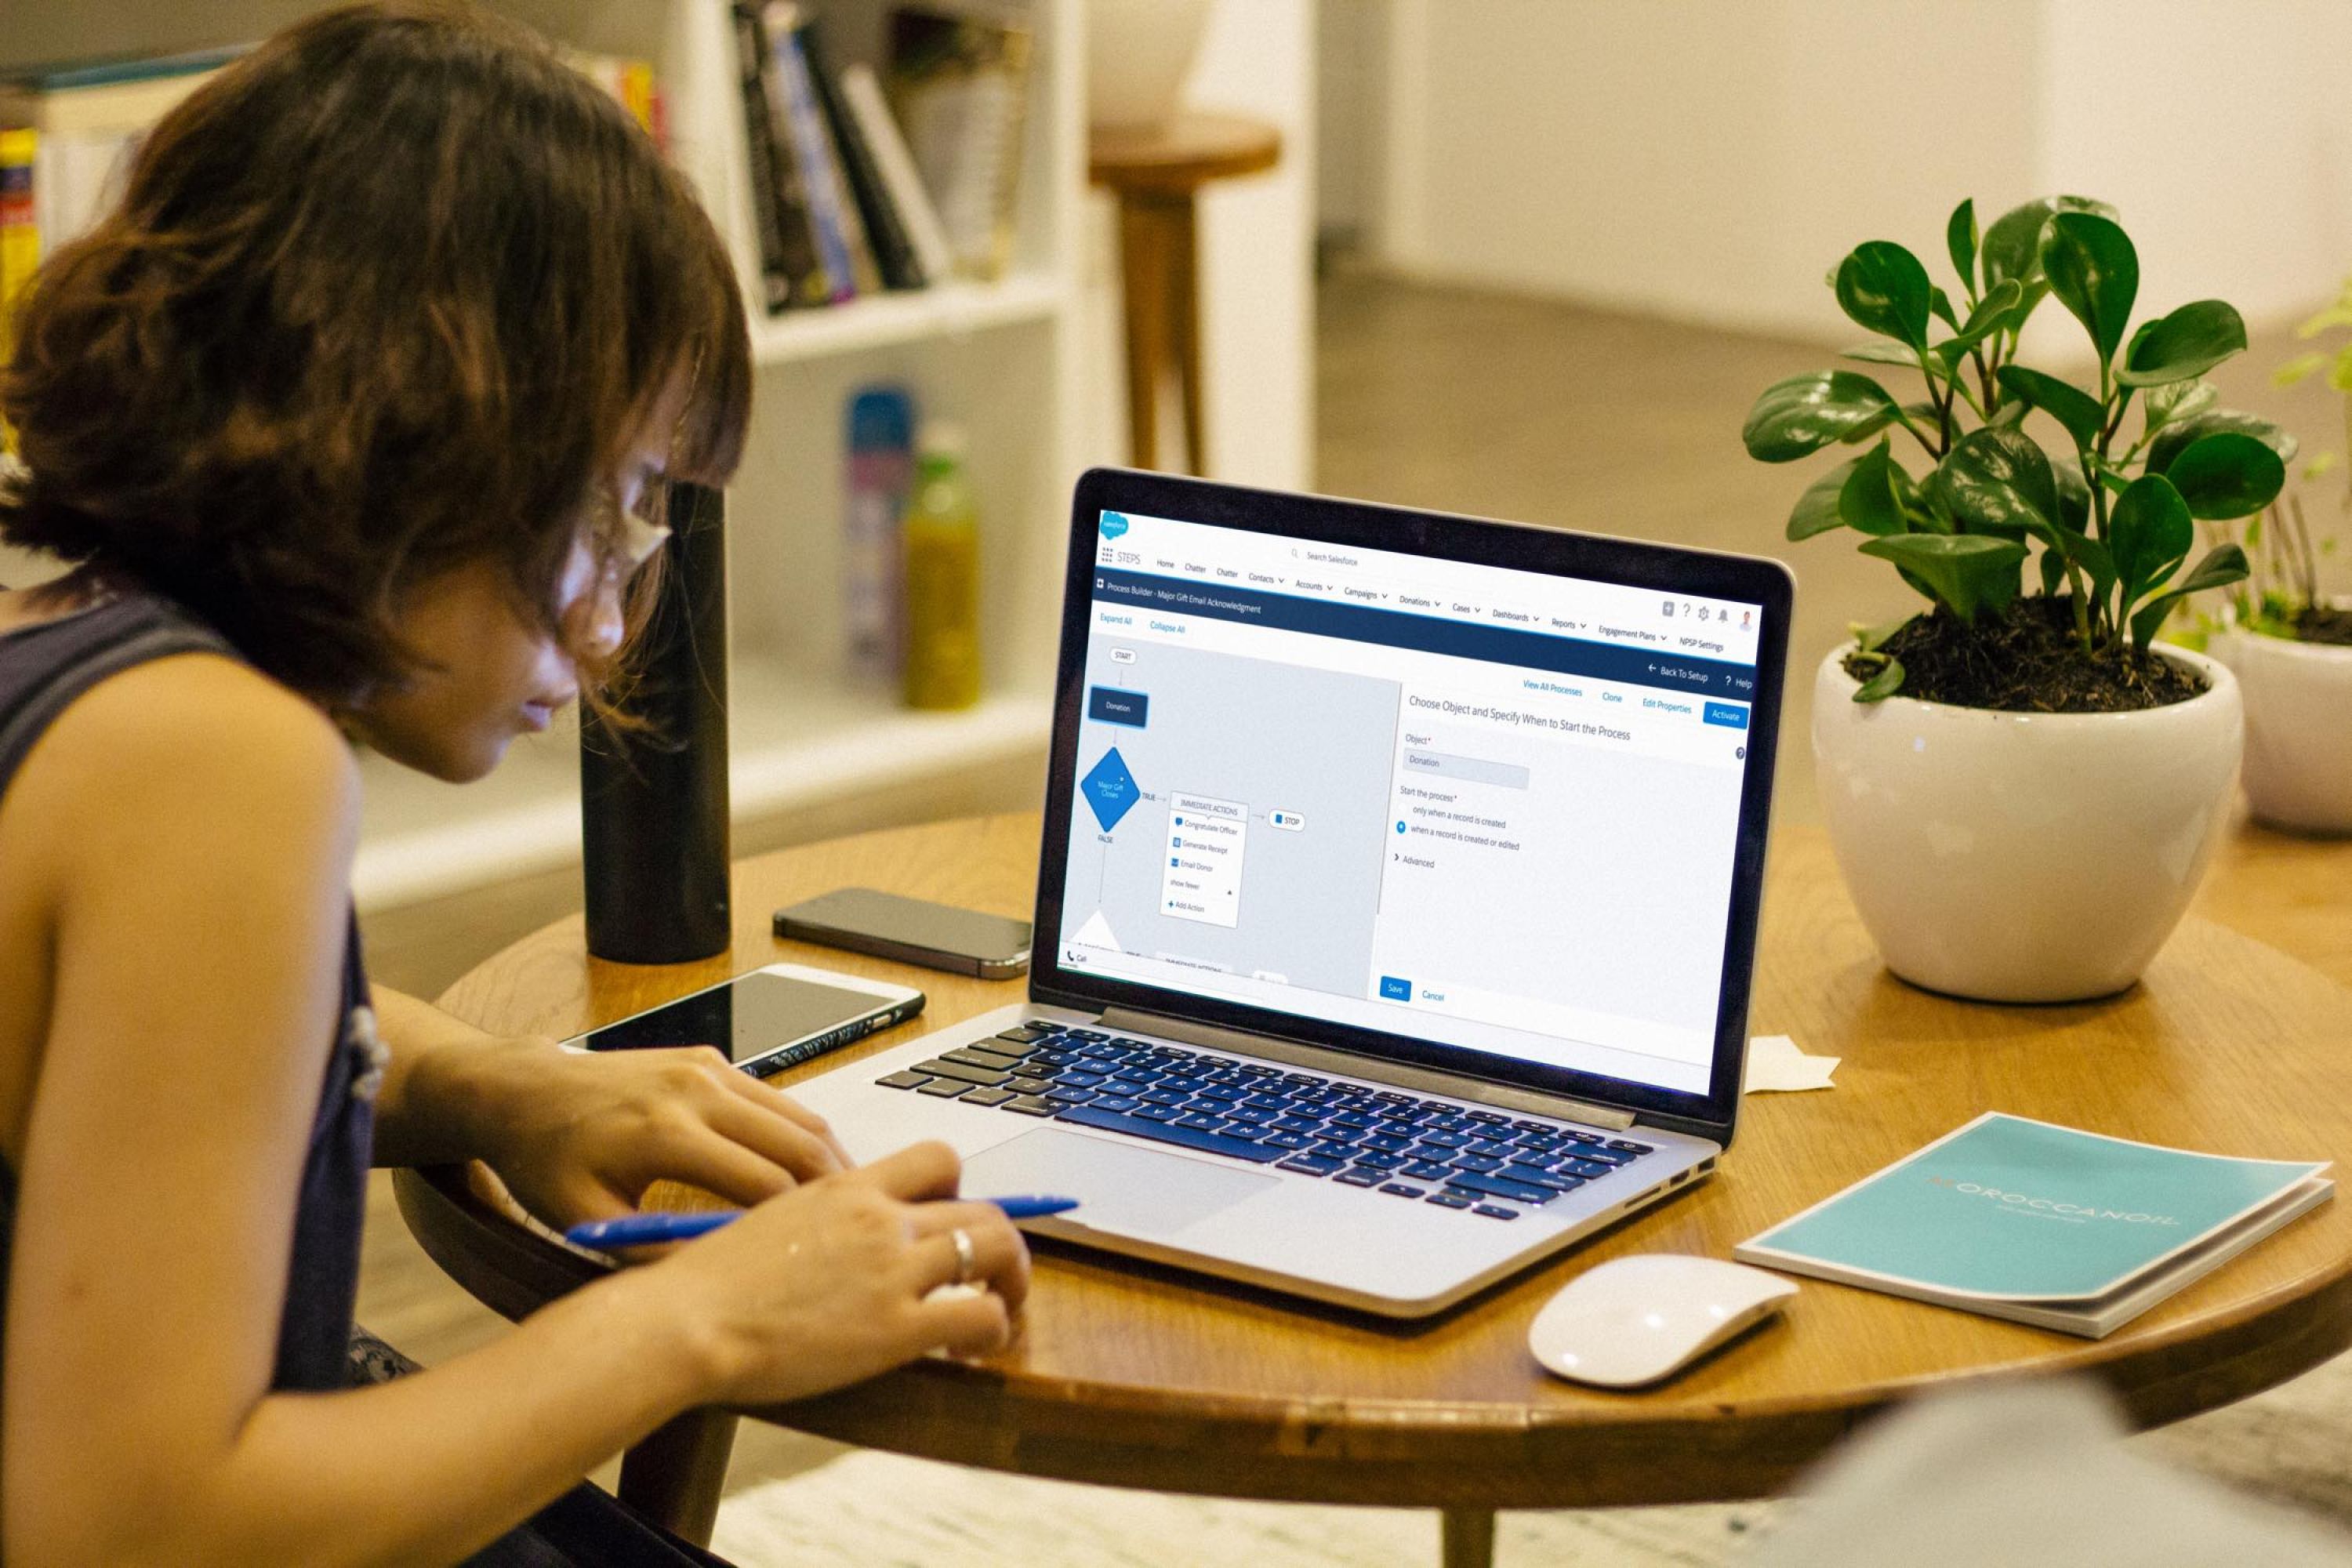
<point x="2183" y="345"/>
<point x="2053" y="570"/>
<point x="1967" y="572"/>
<point x="2227" y="475"/>
<point x="2074" y="495"/>
<point x="2178" y="400"/>
<point x="1884" y="289"/>
<point x="2149" y="532"/>
<point x="1998" y="481"/>
<point x="2298" y="369"/>
<point x="1805" y="413"/>
<point x="1884" y="684"/>
<point x="1883" y="353"/>
<point x="2222" y="565"/>
<point x="2181" y="434"/>
<point x="1960" y="242"/>
<point x="2340" y="378"/>
<point x="1869" y="639"/>
<point x="2095" y="272"/>
<point x="2077" y="410"/>
<point x="2012" y="246"/>
<point x="1871" y="499"/>
<point x="1816" y="510"/>
<point x="2336" y="315"/>
<point x="1939" y="304"/>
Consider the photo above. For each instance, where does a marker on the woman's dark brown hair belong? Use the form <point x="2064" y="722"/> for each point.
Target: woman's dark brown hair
<point x="393" y="294"/>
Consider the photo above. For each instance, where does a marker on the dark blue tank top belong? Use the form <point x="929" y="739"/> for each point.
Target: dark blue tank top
<point x="43" y="668"/>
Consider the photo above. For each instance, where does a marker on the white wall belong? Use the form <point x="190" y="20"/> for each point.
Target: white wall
<point x="1257" y="297"/>
<point x="1711" y="161"/>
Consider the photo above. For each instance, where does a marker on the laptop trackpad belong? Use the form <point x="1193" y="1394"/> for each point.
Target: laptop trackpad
<point x="1136" y="1192"/>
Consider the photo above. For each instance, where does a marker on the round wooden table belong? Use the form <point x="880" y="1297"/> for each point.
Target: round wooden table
<point x="1130" y="1375"/>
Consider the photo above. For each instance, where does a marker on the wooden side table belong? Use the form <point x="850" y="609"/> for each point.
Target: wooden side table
<point x="1157" y="175"/>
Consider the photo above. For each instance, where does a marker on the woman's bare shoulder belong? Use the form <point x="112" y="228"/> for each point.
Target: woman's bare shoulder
<point x="195" y="742"/>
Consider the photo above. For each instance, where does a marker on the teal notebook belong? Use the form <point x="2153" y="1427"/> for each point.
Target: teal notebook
<point x="2041" y="1224"/>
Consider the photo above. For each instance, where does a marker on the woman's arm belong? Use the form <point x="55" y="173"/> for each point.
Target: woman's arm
<point x="578" y="1136"/>
<point x="194" y="826"/>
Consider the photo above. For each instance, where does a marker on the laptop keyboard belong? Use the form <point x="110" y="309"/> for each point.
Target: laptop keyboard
<point x="1383" y="1141"/>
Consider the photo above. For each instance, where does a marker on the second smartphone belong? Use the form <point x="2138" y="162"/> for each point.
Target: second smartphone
<point x="912" y="931"/>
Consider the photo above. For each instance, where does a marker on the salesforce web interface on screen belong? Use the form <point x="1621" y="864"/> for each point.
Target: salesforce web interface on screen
<point x="1487" y="807"/>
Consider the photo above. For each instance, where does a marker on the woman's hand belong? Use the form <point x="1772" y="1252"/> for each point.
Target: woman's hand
<point x="831" y="1283"/>
<point x="577" y="1136"/>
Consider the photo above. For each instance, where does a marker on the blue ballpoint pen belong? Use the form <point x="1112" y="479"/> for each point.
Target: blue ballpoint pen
<point x="646" y="1229"/>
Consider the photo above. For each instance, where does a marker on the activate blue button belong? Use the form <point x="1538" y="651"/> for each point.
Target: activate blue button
<point x="1395" y="990"/>
<point x="1113" y="706"/>
<point x="1729" y="714"/>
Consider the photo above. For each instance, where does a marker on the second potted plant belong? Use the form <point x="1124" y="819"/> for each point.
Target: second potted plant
<point x="2020" y="788"/>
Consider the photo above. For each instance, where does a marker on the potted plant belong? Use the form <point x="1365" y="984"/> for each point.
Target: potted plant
<point x="2290" y="646"/>
<point x="2020" y="787"/>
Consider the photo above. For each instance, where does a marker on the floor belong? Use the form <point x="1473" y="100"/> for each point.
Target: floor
<point x="1443" y="398"/>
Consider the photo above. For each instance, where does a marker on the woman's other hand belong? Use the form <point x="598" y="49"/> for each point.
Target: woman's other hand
<point x="580" y="1136"/>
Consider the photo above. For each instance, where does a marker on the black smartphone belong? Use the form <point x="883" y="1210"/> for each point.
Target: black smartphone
<point x="767" y="1020"/>
<point x="912" y="931"/>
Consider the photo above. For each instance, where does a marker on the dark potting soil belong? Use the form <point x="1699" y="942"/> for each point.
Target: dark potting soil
<point x="2025" y="660"/>
<point x="2322" y="623"/>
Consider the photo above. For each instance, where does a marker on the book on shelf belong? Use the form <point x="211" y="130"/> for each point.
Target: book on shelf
<point x="959" y="84"/>
<point x="631" y="83"/>
<point x="861" y="93"/>
<point x="790" y="272"/>
<point x="799" y="115"/>
<point x="85" y="122"/>
<point x="2041" y="1224"/>
<point x="885" y="228"/>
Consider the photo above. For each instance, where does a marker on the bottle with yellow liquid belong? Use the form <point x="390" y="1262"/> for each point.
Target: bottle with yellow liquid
<point x="941" y="535"/>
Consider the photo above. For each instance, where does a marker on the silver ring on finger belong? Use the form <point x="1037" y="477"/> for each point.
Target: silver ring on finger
<point x="967" y="1256"/>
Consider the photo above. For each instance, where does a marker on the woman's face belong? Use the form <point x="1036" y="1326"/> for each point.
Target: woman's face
<point x="490" y="672"/>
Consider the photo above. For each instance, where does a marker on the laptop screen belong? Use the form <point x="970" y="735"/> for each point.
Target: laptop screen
<point x="1492" y="809"/>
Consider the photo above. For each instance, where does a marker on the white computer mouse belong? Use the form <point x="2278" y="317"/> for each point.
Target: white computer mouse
<point x="1632" y="1320"/>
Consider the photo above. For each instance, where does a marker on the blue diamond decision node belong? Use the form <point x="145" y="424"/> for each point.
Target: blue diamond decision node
<point x="1109" y="789"/>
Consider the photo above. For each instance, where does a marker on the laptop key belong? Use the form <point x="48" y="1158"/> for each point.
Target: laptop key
<point x="1296" y="1123"/>
<point x="1358" y="1176"/>
<point x="1063" y="1091"/>
<point x="1476" y="1162"/>
<point x="944" y="1088"/>
<point x="1488" y="1117"/>
<point x="1535" y="1177"/>
<point x="1448" y="1201"/>
<point x="1076" y="1079"/>
<point x="1388" y="1142"/>
<point x="1119" y="1102"/>
<point x="1194" y="1119"/>
<point x="1423" y="1170"/>
<point x="1444" y="1139"/>
<point x="980" y="1056"/>
<point x="1085" y="1035"/>
<point x="986" y="1096"/>
<point x="1156" y="1113"/>
<point x="1311" y="1165"/>
<point x="1375" y="1159"/>
<point x="905" y="1080"/>
<point x="1336" y="1146"/>
<point x="939" y="1067"/>
<point x="1288" y="1141"/>
<point x="1487" y="1146"/>
<point x="1496" y="1187"/>
<point x="1636" y="1150"/>
<point x="1165" y="1096"/>
<point x="1027" y="1084"/>
<point x="1036" y="1105"/>
<point x="1168" y="1132"/>
<point x="1493" y="1212"/>
<point x="1403" y="1189"/>
<point x="1589" y="1170"/>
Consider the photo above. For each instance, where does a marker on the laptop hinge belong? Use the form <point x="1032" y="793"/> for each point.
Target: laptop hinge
<point x="1428" y="1081"/>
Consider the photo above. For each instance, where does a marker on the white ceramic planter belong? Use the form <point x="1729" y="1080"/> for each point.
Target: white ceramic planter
<point x="2298" y="698"/>
<point x="2023" y="856"/>
<point x="1138" y="54"/>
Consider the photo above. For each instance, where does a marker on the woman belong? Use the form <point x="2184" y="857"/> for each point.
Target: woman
<point x="351" y="421"/>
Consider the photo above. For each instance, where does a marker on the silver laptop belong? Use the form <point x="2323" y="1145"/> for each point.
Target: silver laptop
<point x="1397" y="897"/>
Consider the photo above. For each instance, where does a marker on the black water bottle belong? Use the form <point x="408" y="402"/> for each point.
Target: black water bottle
<point x="653" y="800"/>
